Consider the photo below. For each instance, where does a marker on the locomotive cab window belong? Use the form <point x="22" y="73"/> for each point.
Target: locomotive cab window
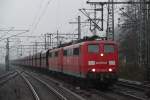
<point x="76" y="51"/>
<point x="53" y="54"/>
<point x="56" y="54"/>
<point x="69" y="52"/>
<point x="65" y="53"/>
<point x="93" y="48"/>
<point x="50" y="55"/>
<point x="108" y="48"/>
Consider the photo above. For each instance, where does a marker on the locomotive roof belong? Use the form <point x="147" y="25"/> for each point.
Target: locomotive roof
<point x="81" y="43"/>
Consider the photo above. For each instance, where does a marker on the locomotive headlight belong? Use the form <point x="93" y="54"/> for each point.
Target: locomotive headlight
<point x="112" y="62"/>
<point x="102" y="54"/>
<point x="110" y="70"/>
<point x="93" y="70"/>
<point x="91" y="62"/>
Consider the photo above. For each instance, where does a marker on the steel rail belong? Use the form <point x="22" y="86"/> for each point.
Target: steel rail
<point x="61" y="86"/>
<point x="133" y="84"/>
<point x="30" y="86"/>
<point x="129" y="95"/>
<point x="6" y="74"/>
<point x="48" y="86"/>
<point x="7" y="77"/>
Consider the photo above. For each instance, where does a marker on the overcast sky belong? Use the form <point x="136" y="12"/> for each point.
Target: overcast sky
<point x="48" y="15"/>
<point x="40" y="16"/>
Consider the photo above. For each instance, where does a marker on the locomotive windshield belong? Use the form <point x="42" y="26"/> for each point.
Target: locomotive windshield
<point x="109" y="48"/>
<point x="93" y="48"/>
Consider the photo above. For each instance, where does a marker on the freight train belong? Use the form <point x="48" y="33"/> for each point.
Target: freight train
<point x="95" y="60"/>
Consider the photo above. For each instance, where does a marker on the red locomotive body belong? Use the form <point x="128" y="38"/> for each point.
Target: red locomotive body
<point x="100" y="60"/>
<point x="44" y="58"/>
<point x="96" y="60"/>
<point x="55" y="60"/>
<point x="72" y="60"/>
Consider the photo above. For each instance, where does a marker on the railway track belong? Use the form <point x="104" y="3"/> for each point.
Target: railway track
<point x="131" y="89"/>
<point x="134" y="95"/>
<point x="80" y="94"/>
<point x="55" y="86"/>
<point x="58" y="88"/>
<point x="35" y="95"/>
<point x="40" y="89"/>
<point x="132" y="84"/>
<point x="122" y="92"/>
<point x="6" y="77"/>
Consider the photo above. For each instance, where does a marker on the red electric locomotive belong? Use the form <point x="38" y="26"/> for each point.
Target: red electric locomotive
<point x="95" y="60"/>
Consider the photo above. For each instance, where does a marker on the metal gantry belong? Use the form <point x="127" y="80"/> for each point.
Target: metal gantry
<point x="110" y="21"/>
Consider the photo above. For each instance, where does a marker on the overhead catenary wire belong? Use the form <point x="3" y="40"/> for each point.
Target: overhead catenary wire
<point x="14" y="35"/>
<point x="41" y="15"/>
<point x="6" y="33"/>
<point x="36" y="15"/>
